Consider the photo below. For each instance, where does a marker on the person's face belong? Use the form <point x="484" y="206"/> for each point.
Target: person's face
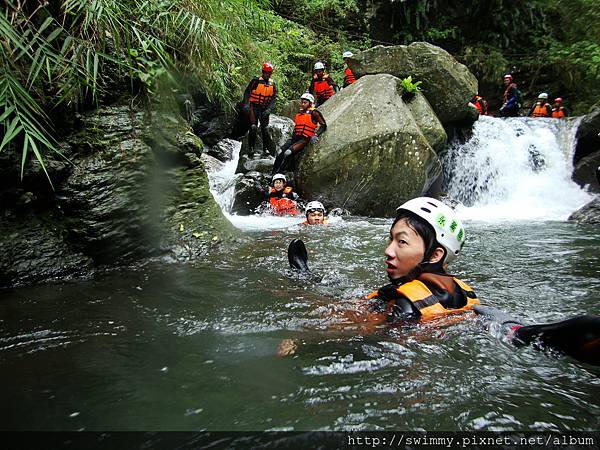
<point x="315" y="217"/>
<point x="278" y="185"/>
<point x="320" y="73"/>
<point x="405" y="250"/>
<point x="305" y="104"/>
<point x="506" y="81"/>
<point x="266" y="75"/>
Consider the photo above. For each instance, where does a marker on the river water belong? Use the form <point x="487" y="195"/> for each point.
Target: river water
<point x="193" y="347"/>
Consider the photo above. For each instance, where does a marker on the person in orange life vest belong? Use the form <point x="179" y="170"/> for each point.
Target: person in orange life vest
<point x="322" y="85"/>
<point x="481" y="104"/>
<point x="309" y="124"/>
<point x="424" y="238"/>
<point x="315" y="214"/>
<point x="259" y="100"/>
<point x="281" y="197"/>
<point x="349" y="77"/>
<point x="558" y="110"/>
<point x="541" y="108"/>
<point x="510" y="100"/>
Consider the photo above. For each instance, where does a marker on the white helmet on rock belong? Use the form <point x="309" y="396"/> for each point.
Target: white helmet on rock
<point x="319" y="66"/>
<point x="348" y="54"/>
<point x="449" y="230"/>
<point x="307" y="96"/>
<point x="279" y="176"/>
<point x="314" y="206"/>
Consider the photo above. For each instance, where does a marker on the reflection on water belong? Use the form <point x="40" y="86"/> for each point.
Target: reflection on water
<point x="193" y="347"/>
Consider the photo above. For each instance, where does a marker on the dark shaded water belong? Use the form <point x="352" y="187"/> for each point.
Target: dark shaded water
<point x="194" y="347"/>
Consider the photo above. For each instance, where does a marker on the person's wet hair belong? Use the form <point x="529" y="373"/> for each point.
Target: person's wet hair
<point x="427" y="233"/>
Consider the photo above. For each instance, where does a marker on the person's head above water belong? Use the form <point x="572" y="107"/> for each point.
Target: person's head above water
<point x="279" y="181"/>
<point x="315" y="213"/>
<point x="425" y="236"/>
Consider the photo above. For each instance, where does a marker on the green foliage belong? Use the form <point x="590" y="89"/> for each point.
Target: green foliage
<point x="409" y="87"/>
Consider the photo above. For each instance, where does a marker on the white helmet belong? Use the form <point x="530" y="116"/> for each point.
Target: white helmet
<point x="348" y="54"/>
<point x="319" y="65"/>
<point x="449" y="230"/>
<point x="307" y="96"/>
<point x="279" y="176"/>
<point x="314" y="206"/>
<point x="543" y="95"/>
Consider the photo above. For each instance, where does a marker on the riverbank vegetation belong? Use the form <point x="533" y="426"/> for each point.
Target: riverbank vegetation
<point x="61" y="57"/>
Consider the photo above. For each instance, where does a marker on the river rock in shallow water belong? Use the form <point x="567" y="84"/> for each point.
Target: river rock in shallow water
<point x="373" y="155"/>
<point x="590" y="213"/>
<point x="447" y="84"/>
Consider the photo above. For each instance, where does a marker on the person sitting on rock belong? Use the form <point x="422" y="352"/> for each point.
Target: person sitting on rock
<point x="481" y="104"/>
<point x="349" y="77"/>
<point x="282" y="198"/>
<point x="309" y="124"/>
<point x="315" y="214"/>
<point x="322" y="85"/>
<point x="259" y="100"/>
<point x="511" y="98"/>
<point x="541" y="108"/>
<point x="558" y="110"/>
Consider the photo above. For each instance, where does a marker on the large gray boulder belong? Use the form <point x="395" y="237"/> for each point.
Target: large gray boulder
<point x="589" y="213"/>
<point x="373" y="155"/>
<point x="447" y="84"/>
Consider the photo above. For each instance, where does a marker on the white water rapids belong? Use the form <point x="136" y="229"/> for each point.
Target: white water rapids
<point x="510" y="170"/>
<point x="515" y="169"/>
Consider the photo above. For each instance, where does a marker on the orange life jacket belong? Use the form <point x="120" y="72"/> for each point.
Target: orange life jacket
<point x="541" y="110"/>
<point x="428" y="303"/>
<point x="263" y="93"/>
<point x="322" y="87"/>
<point x="481" y="104"/>
<point x="283" y="206"/>
<point x="558" y="113"/>
<point x="304" y="124"/>
<point x="349" y="77"/>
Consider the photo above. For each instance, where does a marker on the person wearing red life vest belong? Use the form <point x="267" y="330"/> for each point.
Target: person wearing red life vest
<point x="541" y="108"/>
<point x="259" y="100"/>
<point x="309" y="125"/>
<point x="481" y="104"/>
<point x="282" y="198"/>
<point x="558" y="110"/>
<point x="349" y="77"/>
<point x="322" y="85"/>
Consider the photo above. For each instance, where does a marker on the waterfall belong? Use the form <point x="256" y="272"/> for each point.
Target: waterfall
<point x="515" y="169"/>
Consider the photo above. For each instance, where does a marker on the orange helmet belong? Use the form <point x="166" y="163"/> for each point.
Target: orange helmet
<point x="267" y="67"/>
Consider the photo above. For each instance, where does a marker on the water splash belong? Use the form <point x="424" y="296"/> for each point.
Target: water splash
<point x="515" y="169"/>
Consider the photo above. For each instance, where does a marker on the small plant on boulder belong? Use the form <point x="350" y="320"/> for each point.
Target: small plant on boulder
<point x="409" y="89"/>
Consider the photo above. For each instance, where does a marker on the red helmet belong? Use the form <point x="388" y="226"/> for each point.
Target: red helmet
<point x="558" y="100"/>
<point x="267" y="67"/>
<point x="509" y="76"/>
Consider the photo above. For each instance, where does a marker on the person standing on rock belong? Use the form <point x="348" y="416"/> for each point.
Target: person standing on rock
<point x="558" y="110"/>
<point x="309" y="124"/>
<point x="541" y="108"/>
<point x="259" y="101"/>
<point x="511" y="98"/>
<point x="322" y="85"/>
<point x="349" y="77"/>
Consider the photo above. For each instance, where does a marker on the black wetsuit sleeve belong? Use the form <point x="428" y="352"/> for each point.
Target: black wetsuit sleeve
<point x="271" y="104"/>
<point x="318" y="118"/>
<point x="311" y="87"/>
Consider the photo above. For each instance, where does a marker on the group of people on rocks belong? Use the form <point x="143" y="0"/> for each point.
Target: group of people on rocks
<point x="512" y="103"/>
<point x="309" y="124"/>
